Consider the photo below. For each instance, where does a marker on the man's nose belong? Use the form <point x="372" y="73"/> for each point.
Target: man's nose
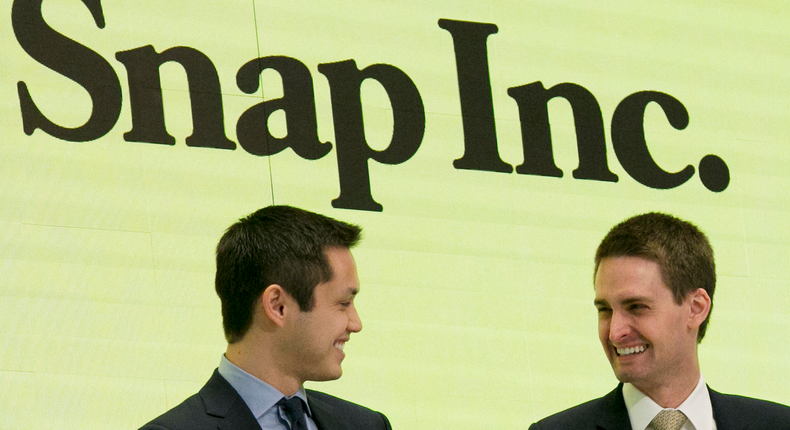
<point x="619" y="327"/>
<point x="354" y="322"/>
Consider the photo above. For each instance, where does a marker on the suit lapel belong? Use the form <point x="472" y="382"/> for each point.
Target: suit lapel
<point x="225" y="404"/>
<point x="613" y="415"/>
<point x="323" y="414"/>
<point x="727" y="414"/>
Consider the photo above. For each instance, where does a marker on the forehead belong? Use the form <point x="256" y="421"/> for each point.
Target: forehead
<point x="620" y="278"/>
<point x="344" y="273"/>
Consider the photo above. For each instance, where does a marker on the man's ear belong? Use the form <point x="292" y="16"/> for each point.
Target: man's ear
<point x="275" y="303"/>
<point x="699" y="307"/>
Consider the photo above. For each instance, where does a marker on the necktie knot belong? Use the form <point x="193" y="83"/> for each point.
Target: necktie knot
<point x="668" y="420"/>
<point x="295" y="411"/>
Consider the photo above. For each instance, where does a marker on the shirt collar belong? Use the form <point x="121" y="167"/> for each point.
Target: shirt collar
<point x="697" y="407"/>
<point x="258" y="395"/>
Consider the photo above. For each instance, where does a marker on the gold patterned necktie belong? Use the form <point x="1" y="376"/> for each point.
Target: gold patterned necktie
<point x="668" y="420"/>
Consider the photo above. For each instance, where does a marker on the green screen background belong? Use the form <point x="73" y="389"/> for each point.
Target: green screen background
<point x="476" y="286"/>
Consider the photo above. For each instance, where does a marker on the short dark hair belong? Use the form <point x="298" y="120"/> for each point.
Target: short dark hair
<point x="681" y="250"/>
<point x="279" y="245"/>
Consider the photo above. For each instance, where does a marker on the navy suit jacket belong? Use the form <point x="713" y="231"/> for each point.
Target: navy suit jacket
<point x="730" y="412"/>
<point x="218" y="406"/>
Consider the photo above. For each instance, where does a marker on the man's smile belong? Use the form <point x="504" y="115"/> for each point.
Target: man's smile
<point x="623" y="352"/>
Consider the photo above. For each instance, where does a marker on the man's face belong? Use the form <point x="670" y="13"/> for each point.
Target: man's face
<point x="318" y="336"/>
<point x="647" y="337"/>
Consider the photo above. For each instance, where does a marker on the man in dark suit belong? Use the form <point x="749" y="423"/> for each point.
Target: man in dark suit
<point x="287" y="281"/>
<point x="654" y="281"/>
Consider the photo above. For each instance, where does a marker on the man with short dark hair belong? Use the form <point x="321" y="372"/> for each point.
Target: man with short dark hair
<point x="654" y="282"/>
<point x="287" y="282"/>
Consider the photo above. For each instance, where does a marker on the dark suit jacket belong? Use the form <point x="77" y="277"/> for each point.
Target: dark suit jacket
<point x="218" y="406"/>
<point x="730" y="412"/>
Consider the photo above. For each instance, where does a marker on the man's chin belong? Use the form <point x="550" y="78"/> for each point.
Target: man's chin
<point x="622" y="375"/>
<point x="631" y="376"/>
<point x="624" y="378"/>
<point x="327" y="376"/>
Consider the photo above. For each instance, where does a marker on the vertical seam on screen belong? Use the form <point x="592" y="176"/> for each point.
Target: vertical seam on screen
<point x="260" y="86"/>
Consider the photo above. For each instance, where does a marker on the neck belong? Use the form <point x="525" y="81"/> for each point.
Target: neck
<point x="256" y="358"/>
<point x="672" y="393"/>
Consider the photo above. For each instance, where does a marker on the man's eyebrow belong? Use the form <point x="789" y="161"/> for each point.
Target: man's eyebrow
<point x="600" y="302"/>
<point x="625" y="302"/>
<point x="353" y="291"/>
<point x="638" y="299"/>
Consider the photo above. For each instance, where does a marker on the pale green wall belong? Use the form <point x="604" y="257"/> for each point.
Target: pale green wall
<point x="477" y="286"/>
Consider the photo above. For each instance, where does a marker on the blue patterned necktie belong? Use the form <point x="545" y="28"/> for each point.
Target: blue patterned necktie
<point x="295" y="410"/>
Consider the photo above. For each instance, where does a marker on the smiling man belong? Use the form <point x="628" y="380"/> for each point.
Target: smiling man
<point x="654" y="281"/>
<point x="287" y="282"/>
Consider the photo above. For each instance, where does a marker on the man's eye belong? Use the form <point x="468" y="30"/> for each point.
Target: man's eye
<point x="345" y="304"/>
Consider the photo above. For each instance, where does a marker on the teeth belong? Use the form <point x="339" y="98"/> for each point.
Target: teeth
<point x="340" y="345"/>
<point x="630" y="351"/>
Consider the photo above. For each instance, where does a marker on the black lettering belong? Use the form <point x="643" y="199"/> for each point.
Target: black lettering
<point x="628" y="139"/>
<point x="298" y="103"/>
<point x="532" y="100"/>
<point x="474" y="87"/>
<point x="72" y="60"/>
<point x="353" y="151"/>
<point x="145" y="96"/>
<point x="714" y="173"/>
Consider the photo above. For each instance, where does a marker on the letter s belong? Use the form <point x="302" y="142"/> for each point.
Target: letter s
<point x="72" y="60"/>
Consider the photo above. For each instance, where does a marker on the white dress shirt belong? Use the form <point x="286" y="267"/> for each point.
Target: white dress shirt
<point x="697" y="407"/>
